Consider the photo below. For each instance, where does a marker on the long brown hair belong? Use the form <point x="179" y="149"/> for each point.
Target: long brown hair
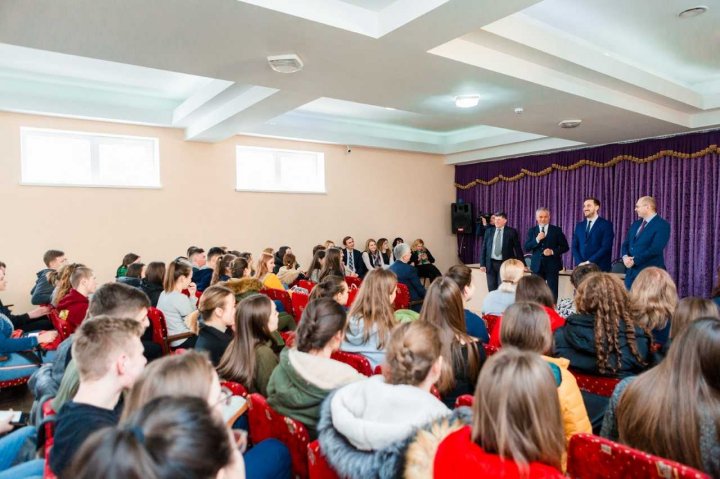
<point x="653" y="298"/>
<point x="533" y="288"/>
<point x="412" y="350"/>
<point x="443" y="307"/>
<point x="174" y="271"/>
<point x="238" y="267"/>
<point x="690" y="309"/>
<point x="251" y="330"/>
<point x="61" y="280"/>
<point x="333" y="264"/>
<point x="321" y="320"/>
<point x="315" y="263"/>
<point x="526" y="326"/>
<point x="212" y="298"/>
<point x="663" y="410"/>
<point x="603" y="296"/>
<point x="372" y="305"/>
<point x="262" y="265"/>
<point x="516" y="411"/>
<point x="222" y="267"/>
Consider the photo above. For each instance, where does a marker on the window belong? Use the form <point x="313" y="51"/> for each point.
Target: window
<point x="265" y="169"/>
<point x="66" y="158"/>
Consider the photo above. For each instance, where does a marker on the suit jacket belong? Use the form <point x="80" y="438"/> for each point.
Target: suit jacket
<point x="408" y="276"/>
<point x="555" y="240"/>
<point x="360" y="267"/>
<point x="597" y="247"/>
<point x="510" y="246"/>
<point x="647" y="249"/>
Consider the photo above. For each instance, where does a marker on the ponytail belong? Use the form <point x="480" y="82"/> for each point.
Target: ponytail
<point x="321" y="321"/>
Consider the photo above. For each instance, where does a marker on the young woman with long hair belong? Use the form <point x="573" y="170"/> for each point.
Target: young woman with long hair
<point x="383" y="246"/>
<point x="288" y="272"/>
<point x="223" y="268"/>
<point x="279" y="256"/>
<point x="127" y="260"/>
<point x="462" y="275"/>
<point x="316" y="265"/>
<point x="333" y="287"/>
<point x="653" y="301"/>
<point x="372" y="256"/>
<point x="250" y="359"/>
<point x="240" y="268"/>
<point x="517" y="427"/>
<point x="174" y="304"/>
<point x="376" y="413"/>
<point x="306" y="373"/>
<point x="60" y="279"/>
<point x="216" y="311"/>
<point x="372" y="317"/>
<point x="152" y="283"/>
<point x="525" y="326"/>
<point x="423" y="260"/>
<point x="333" y="264"/>
<point x="264" y="272"/>
<point x="673" y="410"/>
<point x="443" y="307"/>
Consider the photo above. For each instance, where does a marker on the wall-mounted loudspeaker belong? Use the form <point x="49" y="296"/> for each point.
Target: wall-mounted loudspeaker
<point x="461" y="218"/>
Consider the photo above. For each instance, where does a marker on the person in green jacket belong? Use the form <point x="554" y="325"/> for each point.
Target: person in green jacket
<point x="306" y="374"/>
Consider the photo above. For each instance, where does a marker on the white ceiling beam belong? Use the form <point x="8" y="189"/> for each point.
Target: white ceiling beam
<point x="198" y="99"/>
<point x="545" y="145"/>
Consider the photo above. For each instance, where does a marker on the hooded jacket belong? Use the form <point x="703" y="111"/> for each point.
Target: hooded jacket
<point x="574" y="415"/>
<point x="76" y="306"/>
<point x="576" y="342"/>
<point x="372" y="414"/>
<point x="301" y="382"/>
<point x="43" y="290"/>
<point x="243" y="287"/>
<point x="355" y="343"/>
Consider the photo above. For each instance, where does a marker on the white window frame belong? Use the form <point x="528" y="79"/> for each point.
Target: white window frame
<point x="95" y="141"/>
<point x="277" y="154"/>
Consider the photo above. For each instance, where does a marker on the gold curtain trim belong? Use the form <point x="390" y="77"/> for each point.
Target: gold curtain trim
<point x="546" y="171"/>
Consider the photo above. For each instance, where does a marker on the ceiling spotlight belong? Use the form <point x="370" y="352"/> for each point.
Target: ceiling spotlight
<point x="569" y="123"/>
<point x="519" y="110"/>
<point x="693" y="12"/>
<point x="289" y="63"/>
<point x="467" y="101"/>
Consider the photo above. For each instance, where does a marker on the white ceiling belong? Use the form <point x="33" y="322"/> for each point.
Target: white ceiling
<point x="378" y="73"/>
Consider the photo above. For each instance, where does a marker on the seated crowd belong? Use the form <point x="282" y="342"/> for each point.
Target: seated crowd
<point x="127" y="408"/>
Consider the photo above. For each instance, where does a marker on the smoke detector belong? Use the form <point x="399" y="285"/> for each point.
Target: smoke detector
<point x="569" y="123"/>
<point x="289" y="63"/>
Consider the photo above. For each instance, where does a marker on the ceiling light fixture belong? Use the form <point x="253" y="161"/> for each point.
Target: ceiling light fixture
<point x="569" y="123"/>
<point x="289" y="63"/>
<point x="693" y="12"/>
<point x="467" y="101"/>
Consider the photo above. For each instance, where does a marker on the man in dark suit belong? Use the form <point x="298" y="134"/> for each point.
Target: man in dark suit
<point x="547" y="243"/>
<point x="646" y="239"/>
<point x="501" y="242"/>
<point x="353" y="258"/>
<point x="407" y="274"/>
<point x="593" y="237"/>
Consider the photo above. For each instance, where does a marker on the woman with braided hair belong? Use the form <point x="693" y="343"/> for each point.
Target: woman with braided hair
<point x="602" y="338"/>
<point x="306" y="373"/>
<point x="372" y="419"/>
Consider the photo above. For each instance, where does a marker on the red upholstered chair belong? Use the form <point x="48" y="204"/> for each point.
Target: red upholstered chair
<point x="288" y="337"/>
<point x="49" y="426"/>
<point x="14" y="382"/>
<point x="490" y="350"/>
<point x="236" y="388"/>
<point x="594" y="457"/>
<point x="299" y="303"/>
<point x="357" y="361"/>
<point x="378" y="369"/>
<point x="464" y="400"/>
<point x="266" y="423"/>
<point x="599" y="385"/>
<point x="351" y="281"/>
<point x="352" y="294"/>
<point x="318" y="468"/>
<point x="59" y="323"/>
<point x="306" y="284"/>
<point x="281" y="296"/>
<point x="490" y="321"/>
<point x="402" y="297"/>
<point x="160" y="332"/>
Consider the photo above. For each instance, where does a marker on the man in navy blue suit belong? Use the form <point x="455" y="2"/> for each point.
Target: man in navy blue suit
<point x="547" y="243"/>
<point x="407" y="274"/>
<point x="593" y="237"/>
<point x="353" y="258"/>
<point x="646" y="239"/>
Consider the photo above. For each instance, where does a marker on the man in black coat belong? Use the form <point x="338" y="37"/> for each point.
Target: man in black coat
<point x="353" y="258"/>
<point x="500" y="243"/>
<point x="547" y="243"/>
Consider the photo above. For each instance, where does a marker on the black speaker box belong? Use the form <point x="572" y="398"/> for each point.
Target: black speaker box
<point x="461" y="218"/>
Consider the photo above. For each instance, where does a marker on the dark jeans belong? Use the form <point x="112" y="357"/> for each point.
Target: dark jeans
<point x="269" y="459"/>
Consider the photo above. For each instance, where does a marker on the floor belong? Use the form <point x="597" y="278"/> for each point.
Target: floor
<point x="17" y="398"/>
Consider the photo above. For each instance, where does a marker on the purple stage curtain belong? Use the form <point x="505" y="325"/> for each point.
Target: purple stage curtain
<point x="682" y="173"/>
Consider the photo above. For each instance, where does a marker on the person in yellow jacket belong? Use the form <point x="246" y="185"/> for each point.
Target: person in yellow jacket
<point x="526" y="326"/>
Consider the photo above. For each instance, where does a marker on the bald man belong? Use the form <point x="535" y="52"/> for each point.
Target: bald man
<point x="646" y="240"/>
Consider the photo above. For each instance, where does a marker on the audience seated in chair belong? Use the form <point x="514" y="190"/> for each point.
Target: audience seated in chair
<point x="42" y="292"/>
<point x="653" y="302"/>
<point x="362" y="421"/>
<point x="127" y="260"/>
<point x="215" y="317"/>
<point x="175" y="305"/>
<point x="152" y="283"/>
<point x="203" y="276"/>
<point x="316" y="264"/>
<point x="423" y="261"/>
<point x="464" y="355"/>
<point x="265" y="273"/>
<point x="306" y="373"/>
<point x="462" y="275"/>
<point x="407" y="275"/>
<point x="288" y="272"/>
<point x="566" y="306"/>
<point x="73" y="307"/>
<point x="371" y="317"/>
<point x="333" y="265"/>
<point x="34" y="320"/>
<point x="134" y="275"/>
<point x="223" y="268"/>
<point x="333" y="287"/>
<point x="60" y="279"/>
<point x="498" y="300"/>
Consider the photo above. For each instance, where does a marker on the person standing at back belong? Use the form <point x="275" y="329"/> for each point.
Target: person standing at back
<point x="547" y="243"/>
<point x="646" y="240"/>
<point x="593" y="237"/>
<point x="501" y="242"/>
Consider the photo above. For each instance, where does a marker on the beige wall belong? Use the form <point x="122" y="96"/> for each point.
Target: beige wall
<point x="369" y="193"/>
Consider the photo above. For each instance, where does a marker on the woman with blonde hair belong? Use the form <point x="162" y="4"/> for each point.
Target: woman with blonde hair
<point x="497" y="301"/>
<point x="526" y="326"/>
<point x="60" y="279"/>
<point x="653" y="301"/>
<point x="475" y="325"/>
<point x="371" y="317"/>
<point x="423" y="260"/>
<point x="264" y="272"/>
<point x="517" y="428"/>
<point x="361" y="421"/>
<point x="372" y="256"/>
<point x="215" y="319"/>
<point x="443" y="308"/>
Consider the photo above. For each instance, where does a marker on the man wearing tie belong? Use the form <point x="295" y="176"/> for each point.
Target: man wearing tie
<point x="353" y="258"/>
<point x="593" y="238"/>
<point x="547" y="243"/>
<point x="500" y="243"/>
<point x="646" y="239"/>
